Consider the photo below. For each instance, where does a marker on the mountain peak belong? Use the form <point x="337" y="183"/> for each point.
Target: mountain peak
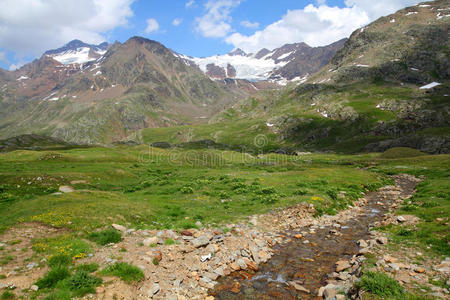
<point x="237" y="52"/>
<point x="76" y="44"/>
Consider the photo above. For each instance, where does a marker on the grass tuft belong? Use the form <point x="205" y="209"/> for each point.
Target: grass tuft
<point x="124" y="271"/>
<point x="53" y="277"/>
<point x="90" y="268"/>
<point x="59" y="260"/>
<point x="381" y="285"/>
<point x="106" y="237"/>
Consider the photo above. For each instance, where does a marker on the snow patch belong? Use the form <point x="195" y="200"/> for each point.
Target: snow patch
<point x="269" y="124"/>
<point x="362" y="66"/>
<point x="98" y="73"/>
<point x="78" y="56"/>
<point x="424" y="5"/>
<point x="249" y="68"/>
<point x="22" y="78"/>
<point x="285" y="55"/>
<point x="439" y="16"/>
<point x="430" y="85"/>
<point x="414" y="69"/>
<point x="411" y="13"/>
<point x="392" y="21"/>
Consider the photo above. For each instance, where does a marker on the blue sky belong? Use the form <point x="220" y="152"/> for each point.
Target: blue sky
<point x="191" y="27"/>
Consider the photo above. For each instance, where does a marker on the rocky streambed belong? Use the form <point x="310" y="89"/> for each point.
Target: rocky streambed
<point x="322" y="258"/>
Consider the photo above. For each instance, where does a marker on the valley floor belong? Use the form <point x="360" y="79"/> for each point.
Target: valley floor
<point x="170" y="223"/>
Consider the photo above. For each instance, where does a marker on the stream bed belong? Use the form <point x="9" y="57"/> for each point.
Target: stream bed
<point x="308" y="260"/>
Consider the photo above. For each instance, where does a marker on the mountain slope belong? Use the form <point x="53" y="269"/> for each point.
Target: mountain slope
<point x="383" y="89"/>
<point x="410" y="46"/>
<point x="133" y="85"/>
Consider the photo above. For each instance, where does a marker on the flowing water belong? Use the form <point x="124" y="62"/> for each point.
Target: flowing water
<point x="308" y="264"/>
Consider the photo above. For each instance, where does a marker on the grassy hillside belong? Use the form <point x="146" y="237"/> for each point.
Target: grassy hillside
<point x="363" y="116"/>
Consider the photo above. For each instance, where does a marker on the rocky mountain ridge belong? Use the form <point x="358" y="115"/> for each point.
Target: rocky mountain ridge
<point x="291" y="62"/>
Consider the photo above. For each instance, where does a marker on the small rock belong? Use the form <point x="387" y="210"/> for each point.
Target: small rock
<point x="401" y="219"/>
<point x="419" y="270"/>
<point x="298" y="236"/>
<point x="382" y="240"/>
<point x="202" y="240"/>
<point x="210" y="275"/>
<point x="99" y="290"/>
<point x="342" y="265"/>
<point x="153" y="290"/>
<point x="150" y="241"/>
<point x="34" y="288"/>
<point x="340" y="297"/>
<point x="206" y="257"/>
<point x="241" y="263"/>
<point x="66" y="189"/>
<point x="119" y="227"/>
<point x="329" y="291"/>
<point x="362" y="244"/>
<point x="389" y="259"/>
<point x="219" y="271"/>
<point x="186" y="233"/>
<point x="298" y="287"/>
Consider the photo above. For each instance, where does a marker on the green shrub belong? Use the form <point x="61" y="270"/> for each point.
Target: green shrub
<point x="90" y="268"/>
<point x="300" y="192"/>
<point x="381" y="285"/>
<point x="106" y="237"/>
<point x="60" y="260"/>
<point x="267" y="191"/>
<point x="124" y="271"/>
<point x="187" y="190"/>
<point x="82" y="283"/>
<point x="53" y="277"/>
<point x="155" y="261"/>
<point x="7" y="295"/>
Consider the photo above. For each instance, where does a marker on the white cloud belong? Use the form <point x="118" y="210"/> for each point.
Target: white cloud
<point x="317" y="25"/>
<point x="152" y="26"/>
<point x="249" y="24"/>
<point x="29" y="27"/>
<point x="17" y="65"/>
<point x="378" y="8"/>
<point x="216" y="22"/>
<point x="313" y="25"/>
<point x="190" y="3"/>
<point x="177" y="21"/>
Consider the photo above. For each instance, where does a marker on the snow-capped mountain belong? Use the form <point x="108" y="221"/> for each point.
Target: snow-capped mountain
<point x="77" y="52"/>
<point x="291" y="62"/>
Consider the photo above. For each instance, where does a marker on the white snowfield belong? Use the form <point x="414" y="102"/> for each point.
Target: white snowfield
<point x="430" y="86"/>
<point x="78" y="56"/>
<point x="247" y="67"/>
